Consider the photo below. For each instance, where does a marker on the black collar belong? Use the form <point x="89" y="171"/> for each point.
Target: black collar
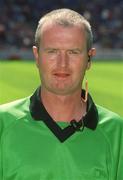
<point x="39" y="113"/>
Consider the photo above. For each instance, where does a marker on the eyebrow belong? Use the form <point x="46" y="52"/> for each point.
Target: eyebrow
<point x="71" y="49"/>
<point x="49" y="48"/>
<point x="75" y="49"/>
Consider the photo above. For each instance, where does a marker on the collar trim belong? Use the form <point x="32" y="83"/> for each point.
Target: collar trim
<point x="39" y="113"/>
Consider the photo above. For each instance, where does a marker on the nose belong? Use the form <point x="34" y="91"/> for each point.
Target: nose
<point x="63" y="59"/>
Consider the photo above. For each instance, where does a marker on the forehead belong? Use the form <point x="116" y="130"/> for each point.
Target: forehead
<point x="47" y="26"/>
<point x="54" y="32"/>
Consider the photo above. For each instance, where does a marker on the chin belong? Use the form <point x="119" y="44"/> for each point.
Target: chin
<point x="63" y="92"/>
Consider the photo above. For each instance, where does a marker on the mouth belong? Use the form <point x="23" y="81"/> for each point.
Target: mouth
<point x="61" y="75"/>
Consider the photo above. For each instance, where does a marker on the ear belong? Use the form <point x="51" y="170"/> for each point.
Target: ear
<point x="36" y="55"/>
<point x="91" y="53"/>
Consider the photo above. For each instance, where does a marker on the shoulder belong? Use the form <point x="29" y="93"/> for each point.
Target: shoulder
<point x="109" y="122"/>
<point x="11" y="112"/>
<point x="15" y="106"/>
<point x="107" y="116"/>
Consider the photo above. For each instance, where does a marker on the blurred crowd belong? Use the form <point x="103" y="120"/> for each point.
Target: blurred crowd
<point x="19" y="18"/>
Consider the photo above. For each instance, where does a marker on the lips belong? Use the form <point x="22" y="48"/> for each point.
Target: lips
<point x="61" y="74"/>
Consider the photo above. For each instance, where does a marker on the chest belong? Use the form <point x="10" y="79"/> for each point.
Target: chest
<point x="37" y="154"/>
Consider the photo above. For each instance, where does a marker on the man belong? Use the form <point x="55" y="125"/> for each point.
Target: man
<point x="59" y="133"/>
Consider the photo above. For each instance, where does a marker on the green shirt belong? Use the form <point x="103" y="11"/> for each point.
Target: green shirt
<point x="31" y="148"/>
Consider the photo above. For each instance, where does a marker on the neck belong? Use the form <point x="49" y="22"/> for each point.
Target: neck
<point x="63" y="108"/>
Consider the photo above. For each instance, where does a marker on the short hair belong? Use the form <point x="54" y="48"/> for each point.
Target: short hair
<point x="64" y="17"/>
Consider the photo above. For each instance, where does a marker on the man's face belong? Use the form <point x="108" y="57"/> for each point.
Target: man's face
<point x="62" y="58"/>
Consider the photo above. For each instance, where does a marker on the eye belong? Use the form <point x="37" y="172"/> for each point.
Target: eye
<point x="52" y="51"/>
<point x="74" y="51"/>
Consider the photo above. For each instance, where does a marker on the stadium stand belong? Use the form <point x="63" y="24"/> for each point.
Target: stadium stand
<point x="19" y="18"/>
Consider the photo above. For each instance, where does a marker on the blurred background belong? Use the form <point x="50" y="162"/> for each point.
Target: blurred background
<point x="18" y="22"/>
<point x="19" y="19"/>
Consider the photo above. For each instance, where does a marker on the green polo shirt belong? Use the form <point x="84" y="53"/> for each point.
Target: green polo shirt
<point x="34" y="147"/>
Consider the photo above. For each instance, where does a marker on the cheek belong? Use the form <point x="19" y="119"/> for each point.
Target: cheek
<point x="81" y="66"/>
<point x="45" y="67"/>
<point x="79" y="72"/>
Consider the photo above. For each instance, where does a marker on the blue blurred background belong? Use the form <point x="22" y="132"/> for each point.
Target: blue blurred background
<point x="19" y="18"/>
